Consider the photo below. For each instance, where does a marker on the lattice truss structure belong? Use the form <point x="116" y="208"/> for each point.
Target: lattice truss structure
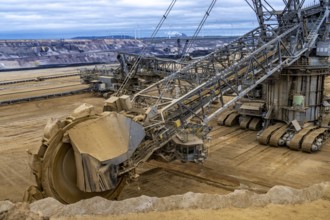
<point x="281" y="39"/>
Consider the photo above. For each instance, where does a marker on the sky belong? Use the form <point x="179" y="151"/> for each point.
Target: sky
<point x="57" y="19"/>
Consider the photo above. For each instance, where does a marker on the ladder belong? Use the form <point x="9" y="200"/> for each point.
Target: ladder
<point x="313" y="34"/>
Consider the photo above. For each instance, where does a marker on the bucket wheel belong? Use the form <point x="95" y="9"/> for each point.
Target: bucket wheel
<point x="57" y="175"/>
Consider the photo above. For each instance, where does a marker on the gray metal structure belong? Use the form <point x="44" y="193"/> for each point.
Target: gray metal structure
<point x="275" y="64"/>
<point x="293" y="95"/>
<point x="150" y="69"/>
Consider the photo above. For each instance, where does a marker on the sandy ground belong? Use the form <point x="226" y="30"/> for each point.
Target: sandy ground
<point x="39" y="88"/>
<point x="315" y="210"/>
<point x="28" y="74"/>
<point x="52" y="87"/>
<point x="319" y="209"/>
<point x="235" y="161"/>
<point x="280" y="202"/>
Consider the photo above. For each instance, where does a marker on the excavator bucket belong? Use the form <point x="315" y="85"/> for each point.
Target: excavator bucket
<point x="100" y="145"/>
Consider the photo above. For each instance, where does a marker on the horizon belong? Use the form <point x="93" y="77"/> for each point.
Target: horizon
<point x="118" y="34"/>
<point x="62" y="19"/>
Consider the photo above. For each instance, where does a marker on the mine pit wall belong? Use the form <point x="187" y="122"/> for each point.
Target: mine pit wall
<point x="307" y="85"/>
<point x="17" y="54"/>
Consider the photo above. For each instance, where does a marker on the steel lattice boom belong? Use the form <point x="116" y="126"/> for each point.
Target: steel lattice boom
<point x="274" y="73"/>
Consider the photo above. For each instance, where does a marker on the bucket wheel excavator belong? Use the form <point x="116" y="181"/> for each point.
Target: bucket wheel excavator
<point x="90" y="154"/>
<point x="290" y="107"/>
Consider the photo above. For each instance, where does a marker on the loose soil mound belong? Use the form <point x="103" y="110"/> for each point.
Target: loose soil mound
<point x="279" y="202"/>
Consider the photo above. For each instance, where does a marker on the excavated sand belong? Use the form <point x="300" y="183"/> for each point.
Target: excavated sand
<point x="280" y="202"/>
<point x="314" y="210"/>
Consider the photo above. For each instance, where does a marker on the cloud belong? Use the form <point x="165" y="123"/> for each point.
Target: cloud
<point x="67" y="18"/>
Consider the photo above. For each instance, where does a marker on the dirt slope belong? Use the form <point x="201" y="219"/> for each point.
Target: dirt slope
<point x="279" y="202"/>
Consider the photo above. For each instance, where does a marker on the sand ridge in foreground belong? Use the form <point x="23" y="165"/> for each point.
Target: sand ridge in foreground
<point x="280" y="202"/>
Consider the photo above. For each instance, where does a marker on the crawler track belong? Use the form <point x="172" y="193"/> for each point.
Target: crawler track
<point x="295" y="142"/>
<point x="245" y="122"/>
<point x="308" y="142"/>
<point x="223" y="117"/>
<point x="255" y="124"/>
<point x="232" y="119"/>
<point x="265" y="136"/>
<point x="309" y="139"/>
<point x="276" y="135"/>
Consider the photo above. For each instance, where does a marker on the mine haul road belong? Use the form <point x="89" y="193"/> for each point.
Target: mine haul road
<point x="33" y="89"/>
